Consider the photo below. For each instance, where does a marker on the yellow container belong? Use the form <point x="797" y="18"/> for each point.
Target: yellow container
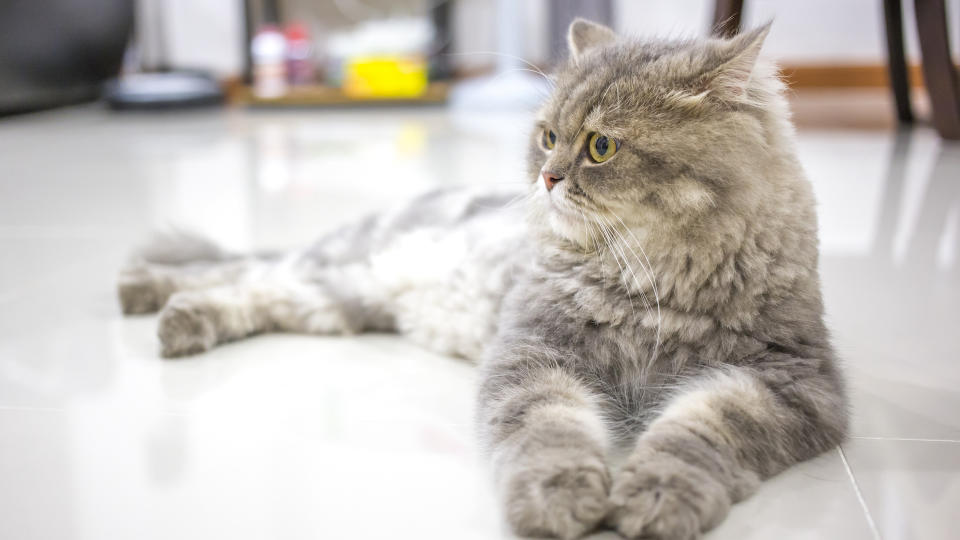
<point x="385" y="77"/>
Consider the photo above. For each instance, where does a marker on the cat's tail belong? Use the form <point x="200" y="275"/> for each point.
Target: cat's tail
<point x="177" y="247"/>
<point x="175" y="260"/>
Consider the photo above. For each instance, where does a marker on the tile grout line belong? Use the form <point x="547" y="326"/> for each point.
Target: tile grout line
<point x="31" y="409"/>
<point x="906" y="439"/>
<point x="56" y="232"/>
<point x="856" y="490"/>
<point x="15" y="408"/>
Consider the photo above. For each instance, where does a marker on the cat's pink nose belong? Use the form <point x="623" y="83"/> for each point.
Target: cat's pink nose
<point x="550" y="179"/>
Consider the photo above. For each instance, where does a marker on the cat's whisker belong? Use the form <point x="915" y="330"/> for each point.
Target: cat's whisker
<point x="619" y="245"/>
<point x="591" y="236"/>
<point x="618" y="104"/>
<point x="650" y="276"/>
<point x="608" y="240"/>
<point x="611" y="243"/>
<point x="623" y="254"/>
<point x="648" y="267"/>
<point x="644" y="367"/>
<point x="514" y="70"/>
<point x="498" y="183"/>
<point x="656" y="347"/>
<point x="518" y="200"/>
<point x="586" y="228"/>
<point x="533" y="67"/>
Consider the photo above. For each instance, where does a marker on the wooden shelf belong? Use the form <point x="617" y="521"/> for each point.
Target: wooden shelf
<point x="327" y="96"/>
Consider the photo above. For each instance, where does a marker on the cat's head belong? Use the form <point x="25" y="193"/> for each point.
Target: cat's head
<point x="658" y="134"/>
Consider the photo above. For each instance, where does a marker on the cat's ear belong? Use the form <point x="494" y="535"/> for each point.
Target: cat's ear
<point x="584" y="35"/>
<point x="731" y="79"/>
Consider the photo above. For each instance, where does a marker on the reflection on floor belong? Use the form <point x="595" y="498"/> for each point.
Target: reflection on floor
<point x="290" y="436"/>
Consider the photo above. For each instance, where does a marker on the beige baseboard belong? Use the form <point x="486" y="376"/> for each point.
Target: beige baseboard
<point x="844" y="75"/>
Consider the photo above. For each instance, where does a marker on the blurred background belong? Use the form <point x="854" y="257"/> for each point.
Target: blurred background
<point x="329" y="52"/>
<point x="263" y="123"/>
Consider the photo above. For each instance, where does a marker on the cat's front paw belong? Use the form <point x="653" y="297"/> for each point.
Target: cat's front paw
<point x="184" y="329"/>
<point x="561" y="496"/>
<point x="660" y="496"/>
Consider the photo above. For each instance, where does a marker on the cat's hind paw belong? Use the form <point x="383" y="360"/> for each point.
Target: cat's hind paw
<point x="138" y="292"/>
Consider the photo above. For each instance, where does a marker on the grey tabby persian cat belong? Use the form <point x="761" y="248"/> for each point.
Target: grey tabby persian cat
<point x="650" y="332"/>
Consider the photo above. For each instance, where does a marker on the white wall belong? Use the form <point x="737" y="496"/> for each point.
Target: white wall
<point x="204" y="34"/>
<point x="207" y="33"/>
<point x="804" y="31"/>
<point x="807" y="31"/>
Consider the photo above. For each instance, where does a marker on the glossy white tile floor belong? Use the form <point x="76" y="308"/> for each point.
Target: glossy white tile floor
<point x="369" y="437"/>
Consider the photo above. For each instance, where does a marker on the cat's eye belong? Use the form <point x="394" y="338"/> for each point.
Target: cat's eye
<point x="549" y="139"/>
<point x="602" y="148"/>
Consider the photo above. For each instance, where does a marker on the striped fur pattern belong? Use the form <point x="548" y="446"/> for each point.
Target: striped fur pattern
<point x="650" y="331"/>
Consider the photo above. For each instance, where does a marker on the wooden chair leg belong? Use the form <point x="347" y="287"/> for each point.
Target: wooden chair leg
<point x="896" y="62"/>
<point x="726" y="17"/>
<point x="938" y="69"/>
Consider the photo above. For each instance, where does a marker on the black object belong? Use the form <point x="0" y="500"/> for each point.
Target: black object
<point x="726" y="17"/>
<point x="939" y="71"/>
<point x="59" y="52"/>
<point x="442" y="16"/>
<point x="896" y="60"/>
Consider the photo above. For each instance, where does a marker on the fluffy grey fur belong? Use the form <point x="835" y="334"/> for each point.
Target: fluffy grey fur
<point x="650" y="336"/>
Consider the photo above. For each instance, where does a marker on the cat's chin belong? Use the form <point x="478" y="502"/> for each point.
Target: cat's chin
<point x="558" y="219"/>
<point x="569" y="226"/>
